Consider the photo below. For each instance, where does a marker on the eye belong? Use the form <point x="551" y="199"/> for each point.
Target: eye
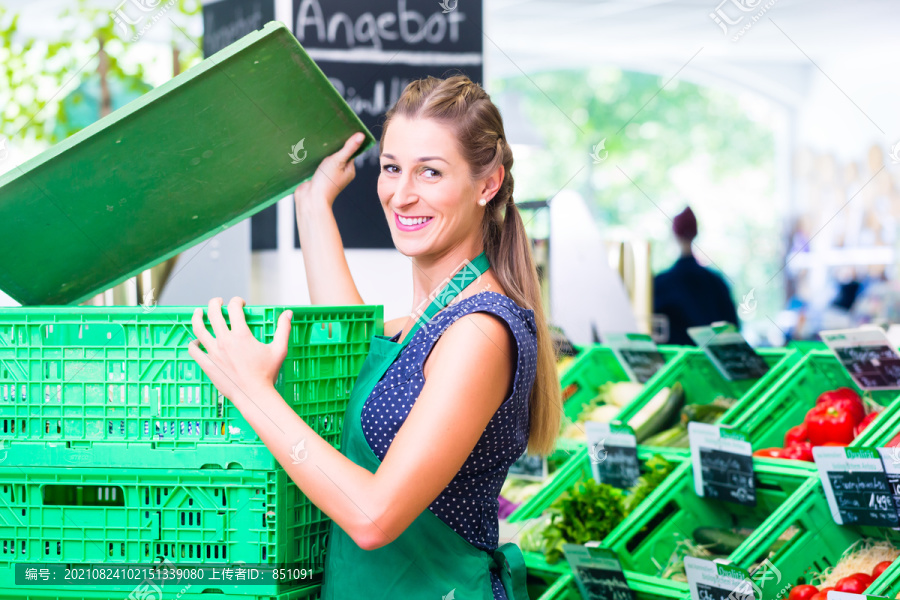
<point x="388" y="168"/>
<point x="431" y="173"/>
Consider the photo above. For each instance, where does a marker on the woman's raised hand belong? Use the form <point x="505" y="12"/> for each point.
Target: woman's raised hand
<point x="334" y="173"/>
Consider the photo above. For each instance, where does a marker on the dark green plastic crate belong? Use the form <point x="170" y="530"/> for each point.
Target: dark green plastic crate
<point x="121" y="374"/>
<point x="141" y="516"/>
<point x="786" y="403"/>
<point x="652" y="530"/>
<point x="818" y="543"/>
<point x="312" y="592"/>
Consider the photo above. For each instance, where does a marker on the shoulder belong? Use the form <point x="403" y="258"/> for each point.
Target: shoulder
<point x="393" y="327"/>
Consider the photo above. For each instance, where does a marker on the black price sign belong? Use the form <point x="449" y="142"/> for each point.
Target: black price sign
<point x="723" y="464"/>
<point x="729" y="351"/>
<point x="709" y="592"/>
<point x="638" y="354"/>
<point x="867" y="355"/>
<point x="613" y="451"/>
<point x="598" y="573"/>
<point x="856" y="486"/>
<point x="530" y="467"/>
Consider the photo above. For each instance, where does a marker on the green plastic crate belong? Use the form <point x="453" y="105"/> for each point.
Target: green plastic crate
<point x="883" y="430"/>
<point x="200" y="516"/>
<point x="595" y="365"/>
<point x="806" y="346"/>
<point x="818" y="543"/>
<point x="312" y="592"/>
<point x="651" y="532"/>
<point x="91" y="374"/>
<point x="786" y="403"/>
<point x="888" y="585"/>
<point x="703" y="383"/>
<point x="574" y="470"/>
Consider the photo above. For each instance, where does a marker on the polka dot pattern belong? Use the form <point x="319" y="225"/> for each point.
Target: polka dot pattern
<point x="469" y="503"/>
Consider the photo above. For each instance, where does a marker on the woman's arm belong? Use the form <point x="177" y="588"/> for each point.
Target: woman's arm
<point x="327" y="273"/>
<point x="468" y="376"/>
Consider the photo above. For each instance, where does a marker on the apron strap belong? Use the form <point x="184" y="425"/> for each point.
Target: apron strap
<point x="469" y="272"/>
<point x="511" y="570"/>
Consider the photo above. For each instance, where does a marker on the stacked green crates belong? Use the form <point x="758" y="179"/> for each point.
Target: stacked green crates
<point x="312" y="592"/>
<point x="817" y="543"/>
<point x="118" y="449"/>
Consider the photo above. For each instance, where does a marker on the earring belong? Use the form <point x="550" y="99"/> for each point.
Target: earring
<point x="483" y="201"/>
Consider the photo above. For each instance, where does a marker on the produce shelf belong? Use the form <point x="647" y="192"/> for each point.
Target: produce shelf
<point x="312" y="592"/>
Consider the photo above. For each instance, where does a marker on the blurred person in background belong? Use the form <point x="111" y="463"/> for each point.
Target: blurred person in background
<point x="689" y="294"/>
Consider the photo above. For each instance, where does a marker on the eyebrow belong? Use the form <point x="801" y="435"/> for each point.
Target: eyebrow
<point x="421" y="159"/>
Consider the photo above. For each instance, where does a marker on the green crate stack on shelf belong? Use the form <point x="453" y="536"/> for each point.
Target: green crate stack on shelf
<point x="117" y="448"/>
<point x="646" y="541"/>
<point x="807" y="541"/>
<point x="786" y="403"/>
<point x="702" y="383"/>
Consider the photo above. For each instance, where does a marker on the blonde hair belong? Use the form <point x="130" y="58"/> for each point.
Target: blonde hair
<point x="467" y="109"/>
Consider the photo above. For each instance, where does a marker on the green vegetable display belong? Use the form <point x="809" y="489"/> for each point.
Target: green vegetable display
<point x="591" y="510"/>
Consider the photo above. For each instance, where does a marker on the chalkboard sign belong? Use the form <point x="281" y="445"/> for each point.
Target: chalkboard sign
<point x="530" y="467"/>
<point x="729" y="351"/>
<point x="856" y="486"/>
<point x="712" y="581"/>
<point x="370" y="50"/>
<point x="224" y="22"/>
<point x="723" y="464"/>
<point x="867" y="355"/>
<point x="890" y="458"/>
<point x="638" y="354"/>
<point x="598" y="573"/>
<point x="613" y="452"/>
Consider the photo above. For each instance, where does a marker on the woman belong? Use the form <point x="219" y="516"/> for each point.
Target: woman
<point x="440" y="411"/>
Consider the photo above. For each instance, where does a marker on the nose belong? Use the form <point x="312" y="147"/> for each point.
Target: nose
<point x="405" y="192"/>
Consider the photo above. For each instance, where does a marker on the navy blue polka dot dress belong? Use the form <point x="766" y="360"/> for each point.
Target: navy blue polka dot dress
<point x="469" y="503"/>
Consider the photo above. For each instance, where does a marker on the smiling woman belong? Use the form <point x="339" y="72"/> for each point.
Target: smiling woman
<point x="451" y="396"/>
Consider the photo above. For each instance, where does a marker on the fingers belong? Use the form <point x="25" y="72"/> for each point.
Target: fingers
<point x="236" y="315"/>
<point x="283" y="332"/>
<point x="200" y="329"/>
<point x="350" y="146"/>
<point x="214" y="312"/>
<point x="200" y="356"/>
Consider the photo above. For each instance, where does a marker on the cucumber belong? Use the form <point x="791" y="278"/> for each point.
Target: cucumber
<point x="661" y="412"/>
<point x="718" y="540"/>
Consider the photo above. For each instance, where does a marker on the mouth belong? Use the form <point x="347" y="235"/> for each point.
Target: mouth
<point x="411" y="223"/>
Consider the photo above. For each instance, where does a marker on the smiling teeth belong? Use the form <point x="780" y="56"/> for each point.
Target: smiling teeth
<point x="417" y="221"/>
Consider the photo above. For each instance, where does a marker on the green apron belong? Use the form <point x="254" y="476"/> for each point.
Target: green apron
<point x="428" y="560"/>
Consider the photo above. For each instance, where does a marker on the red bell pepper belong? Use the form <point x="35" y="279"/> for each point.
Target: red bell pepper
<point x="894" y="442"/>
<point x="829" y="423"/>
<point x="801" y="451"/>
<point x="847" y="399"/>
<point x="865" y="422"/>
<point x="796" y="435"/>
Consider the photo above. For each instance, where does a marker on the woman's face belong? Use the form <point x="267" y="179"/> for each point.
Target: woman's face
<point x="425" y="187"/>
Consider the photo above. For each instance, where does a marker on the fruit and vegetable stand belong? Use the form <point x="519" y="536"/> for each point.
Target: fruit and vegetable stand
<point x="810" y="401"/>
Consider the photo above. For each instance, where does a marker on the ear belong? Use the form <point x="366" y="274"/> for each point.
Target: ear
<point x="491" y="184"/>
